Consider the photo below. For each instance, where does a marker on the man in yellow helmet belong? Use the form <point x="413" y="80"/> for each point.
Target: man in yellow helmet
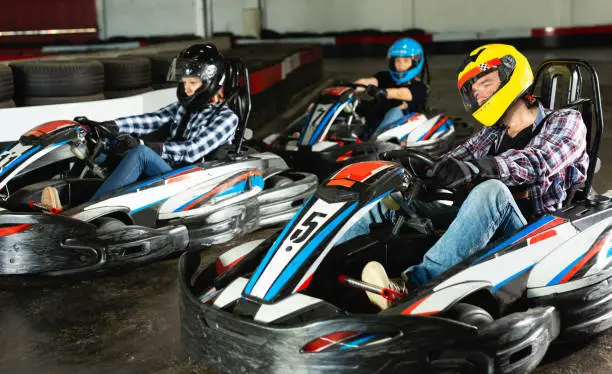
<point x="521" y="148"/>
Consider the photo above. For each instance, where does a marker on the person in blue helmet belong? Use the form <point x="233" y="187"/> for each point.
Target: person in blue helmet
<point x="397" y="90"/>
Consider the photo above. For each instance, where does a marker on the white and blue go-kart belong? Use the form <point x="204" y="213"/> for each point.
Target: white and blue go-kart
<point x="201" y="204"/>
<point x="292" y="302"/>
<point x="330" y="134"/>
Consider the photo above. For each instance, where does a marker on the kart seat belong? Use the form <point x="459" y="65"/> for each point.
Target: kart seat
<point x="237" y="91"/>
<point x="238" y="99"/>
<point x="563" y="83"/>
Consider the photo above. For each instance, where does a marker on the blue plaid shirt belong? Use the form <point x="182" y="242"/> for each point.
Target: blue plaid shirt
<point x="202" y="134"/>
<point x="553" y="160"/>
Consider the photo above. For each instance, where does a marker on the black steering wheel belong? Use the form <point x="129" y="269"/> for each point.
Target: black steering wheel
<point x="420" y="164"/>
<point x="409" y="159"/>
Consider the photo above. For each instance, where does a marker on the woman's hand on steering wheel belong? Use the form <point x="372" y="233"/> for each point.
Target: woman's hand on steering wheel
<point x="106" y="129"/>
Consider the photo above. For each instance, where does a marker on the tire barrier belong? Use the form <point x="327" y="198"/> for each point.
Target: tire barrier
<point x="56" y="79"/>
<point x="126" y="76"/>
<point x="277" y="72"/>
<point x="6" y="84"/>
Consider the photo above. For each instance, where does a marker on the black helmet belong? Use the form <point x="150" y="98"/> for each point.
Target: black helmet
<point x="203" y="61"/>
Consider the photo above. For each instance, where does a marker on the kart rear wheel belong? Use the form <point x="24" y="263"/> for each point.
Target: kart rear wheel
<point x="278" y="181"/>
<point x="470" y="314"/>
<point x="108" y="224"/>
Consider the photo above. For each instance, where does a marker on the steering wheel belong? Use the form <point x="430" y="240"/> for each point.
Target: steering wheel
<point x="408" y="158"/>
<point x="419" y="164"/>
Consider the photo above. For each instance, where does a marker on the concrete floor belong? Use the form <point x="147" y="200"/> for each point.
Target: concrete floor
<point x="128" y="322"/>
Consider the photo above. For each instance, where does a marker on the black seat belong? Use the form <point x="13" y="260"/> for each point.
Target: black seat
<point x="238" y="97"/>
<point x="570" y="83"/>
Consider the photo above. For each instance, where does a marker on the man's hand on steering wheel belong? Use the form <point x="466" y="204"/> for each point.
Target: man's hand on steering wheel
<point x="105" y="129"/>
<point x="451" y="173"/>
<point x="418" y="163"/>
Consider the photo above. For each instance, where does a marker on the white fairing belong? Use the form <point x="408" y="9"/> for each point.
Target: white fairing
<point x="438" y="301"/>
<point x="323" y="145"/>
<point x="13" y="154"/>
<point x="545" y="272"/>
<point x="231" y="293"/>
<point x="271" y="312"/>
<point x="319" y="113"/>
<point x="238" y="252"/>
<point x="400" y="132"/>
<point x="356" y="217"/>
<point x="180" y="189"/>
<point x="495" y="272"/>
<point x="289" y="248"/>
<point x="271" y="138"/>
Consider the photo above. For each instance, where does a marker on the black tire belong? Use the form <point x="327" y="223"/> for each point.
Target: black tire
<point x="6" y="83"/>
<point x="126" y="73"/>
<point x="126" y="93"/>
<point x="108" y="224"/>
<point x="58" y="78"/>
<point x="35" y="101"/>
<point x="278" y="181"/>
<point x="470" y="314"/>
<point x="7" y="104"/>
<point x="163" y="86"/>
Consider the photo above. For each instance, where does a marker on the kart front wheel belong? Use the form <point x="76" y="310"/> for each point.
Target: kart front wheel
<point x="108" y="224"/>
<point x="470" y="314"/>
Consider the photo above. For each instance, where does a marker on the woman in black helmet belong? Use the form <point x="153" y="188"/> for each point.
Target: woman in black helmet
<point x="195" y="126"/>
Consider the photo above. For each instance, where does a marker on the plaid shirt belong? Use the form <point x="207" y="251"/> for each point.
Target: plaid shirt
<point x="202" y="134"/>
<point x="553" y="160"/>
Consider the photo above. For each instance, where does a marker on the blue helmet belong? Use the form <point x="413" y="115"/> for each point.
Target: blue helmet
<point x="406" y="48"/>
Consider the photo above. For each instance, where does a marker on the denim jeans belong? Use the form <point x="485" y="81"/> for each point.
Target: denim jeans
<point x="488" y="207"/>
<point x="392" y="115"/>
<point x="138" y="161"/>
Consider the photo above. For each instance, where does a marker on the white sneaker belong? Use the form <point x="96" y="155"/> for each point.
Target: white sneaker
<point x="374" y="273"/>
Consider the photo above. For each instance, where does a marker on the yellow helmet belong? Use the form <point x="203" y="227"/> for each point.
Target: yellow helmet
<point x="514" y="73"/>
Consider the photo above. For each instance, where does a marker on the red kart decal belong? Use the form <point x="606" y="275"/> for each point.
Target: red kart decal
<point x="336" y="91"/>
<point x="357" y="173"/>
<point x="48" y="127"/>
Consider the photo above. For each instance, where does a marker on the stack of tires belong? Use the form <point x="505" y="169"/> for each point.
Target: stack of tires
<point x="126" y="76"/>
<point x="57" y="82"/>
<point x="6" y="87"/>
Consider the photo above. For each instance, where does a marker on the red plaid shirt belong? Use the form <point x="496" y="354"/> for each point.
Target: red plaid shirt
<point x="553" y="161"/>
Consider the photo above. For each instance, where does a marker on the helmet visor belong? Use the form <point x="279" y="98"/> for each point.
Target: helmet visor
<point x="181" y="68"/>
<point x="416" y="61"/>
<point x="476" y="91"/>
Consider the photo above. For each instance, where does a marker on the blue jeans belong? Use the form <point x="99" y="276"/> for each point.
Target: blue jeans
<point x="138" y="161"/>
<point x="392" y="115"/>
<point x="488" y="207"/>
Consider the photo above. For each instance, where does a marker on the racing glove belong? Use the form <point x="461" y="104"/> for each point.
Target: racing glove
<point x="122" y="144"/>
<point x="452" y="173"/>
<point x="107" y="129"/>
<point x="376" y="92"/>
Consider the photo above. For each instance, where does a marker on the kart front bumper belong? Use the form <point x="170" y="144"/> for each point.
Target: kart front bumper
<point x="271" y="207"/>
<point x="226" y="341"/>
<point x="58" y="245"/>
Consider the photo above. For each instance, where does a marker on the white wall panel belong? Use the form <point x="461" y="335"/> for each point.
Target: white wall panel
<point x="172" y="17"/>
<point x="337" y="15"/>
<point x="134" y="18"/>
<point x="484" y="15"/>
<point x="591" y="12"/>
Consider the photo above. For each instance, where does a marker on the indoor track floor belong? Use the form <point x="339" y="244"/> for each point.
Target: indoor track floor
<point x="128" y="322"/>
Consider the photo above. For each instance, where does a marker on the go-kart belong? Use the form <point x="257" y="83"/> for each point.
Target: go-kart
<point x="282" y="304"/>
<point x="198" y="205"/>
<point x="332" y="134"/>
